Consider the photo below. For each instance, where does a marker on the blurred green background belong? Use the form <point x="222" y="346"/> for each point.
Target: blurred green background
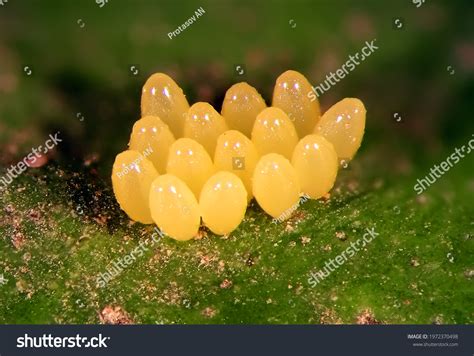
<point x="81" y="83"/>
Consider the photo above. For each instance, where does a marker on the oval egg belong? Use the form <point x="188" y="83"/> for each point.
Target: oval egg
<point x="237" y="154"/>
<point x="132" y="175"/>
<point x="162" y="97"/>
<point x="174" y="207"/>
<point x="315" y="162"/>
<point x="273" y="132"/>
<point x="223" y="202"/>
<point x="152" y="138"/>
<point x="242" y="104"/>
<point x="276" y="186"/>
<point x="291" y="94"/>
<point x="343" y="125"/>
<point x="204" y="125"/>
<point x="189" y="161"/>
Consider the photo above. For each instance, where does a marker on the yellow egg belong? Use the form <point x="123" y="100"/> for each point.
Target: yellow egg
<point x="316" y="164"/>
<point x="190" y="162"/>
<point x="132" y="175"/>
<point x="276" y="186"/>
<point x="162" y="97"/>
<point x="174" y="207"/>
<point x="152" y="138"/>
<point x="237" y="154"/>
<point x="204" y="125"/>
<point x="273" y="132"/>
<point x="223" y="202"/>
<point x="291" y="95"/>
<point x="343" y="125"/>
<point x="242" y="104"/>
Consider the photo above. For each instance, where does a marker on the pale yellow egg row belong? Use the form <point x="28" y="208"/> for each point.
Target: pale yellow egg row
<point x="273" y="154"/>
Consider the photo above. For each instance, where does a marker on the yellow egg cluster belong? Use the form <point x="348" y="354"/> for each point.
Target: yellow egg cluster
<point x="188" y="164"/>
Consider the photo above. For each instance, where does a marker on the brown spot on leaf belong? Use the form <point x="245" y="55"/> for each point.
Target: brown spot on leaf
<point x="414" y="262"/>
<point x="9" y="209"/>
<point x="173" y="294"/>
<point x="114" y="315"/>
<point x="205" y="260"/>
<point x="341" y="235"/>
<point x="367" y="318"/>
<point x="226" y="284"/>
<point x="289" y="227"/>
<point x="329" y="316"/>
<point x="201" y="234"/>
<point x="209" y="312"/>
<point x="34" y="215"/>
<point x="251" y="260"/>
<point x="305" y="240"/>
<point x="18" y="240"/>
